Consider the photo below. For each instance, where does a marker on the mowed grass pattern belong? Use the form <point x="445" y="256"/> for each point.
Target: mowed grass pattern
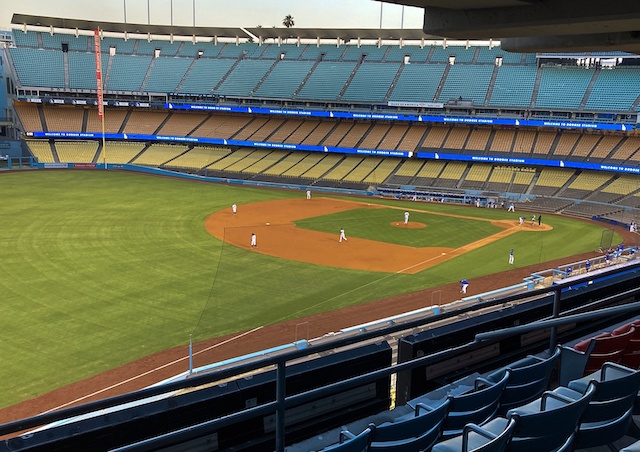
<point x="376" y="224"/>
<point x="101" y="268"/>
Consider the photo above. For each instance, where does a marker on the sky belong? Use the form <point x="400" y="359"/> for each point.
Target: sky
<point x="223" y="13"/>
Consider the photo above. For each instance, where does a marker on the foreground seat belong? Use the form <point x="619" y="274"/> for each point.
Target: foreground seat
<point x="478" y="439"/>
<point x="352" y="443"/>
<point x="529" y="378"/>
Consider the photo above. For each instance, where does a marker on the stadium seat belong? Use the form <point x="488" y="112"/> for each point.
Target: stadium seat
<point x="631" y="355"/>
<point x="529" y="378"/>
<point x="474" y="407"/>
<point x="478" y="439"/>
<point x="546" y="424"/>
<point x="352" y="443"/>
<point x="608" y="414"/>
<point x="414" y="431"/>
<point x="592" y="353"/>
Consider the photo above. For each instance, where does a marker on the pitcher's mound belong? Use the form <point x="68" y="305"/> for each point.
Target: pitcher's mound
<point x="409" y="225"/>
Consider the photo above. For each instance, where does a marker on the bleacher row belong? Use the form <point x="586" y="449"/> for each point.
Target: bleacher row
<point x="323" y="73"/>
<point x="579" y="397"/>
<point x="577" y="146"/>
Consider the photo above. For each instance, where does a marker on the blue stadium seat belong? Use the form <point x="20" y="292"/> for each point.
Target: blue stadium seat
<point x="352" y="443"/>
<point x="529" y="378"/>
<point x="608" y="414"/>
<point x="478" y="439"/>
<point x="414" y="431"/>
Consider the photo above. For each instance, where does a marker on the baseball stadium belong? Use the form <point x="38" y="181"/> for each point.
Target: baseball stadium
<point x="174" y="277"/>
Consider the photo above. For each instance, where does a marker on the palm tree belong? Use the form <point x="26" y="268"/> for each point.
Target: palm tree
<point x="288" y="21"/>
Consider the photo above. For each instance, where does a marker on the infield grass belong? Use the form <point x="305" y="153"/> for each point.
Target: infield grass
<point x="101" y="268"/>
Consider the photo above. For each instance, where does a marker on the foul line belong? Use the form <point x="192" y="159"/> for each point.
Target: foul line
<point x="151" y="371"/>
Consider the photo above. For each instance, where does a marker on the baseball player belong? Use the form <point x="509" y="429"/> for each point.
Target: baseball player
<point x="511" y="256"/>
<point x="234" y="209"/>
<point x="342" y="236"/>
<point x="406" y="217"/>
<point x="254" y="240"/>
<point x="308" y="194"/>
<point x="464" y="284"/>
<point x="533" y="219"/>
<point x="512" y="208"/>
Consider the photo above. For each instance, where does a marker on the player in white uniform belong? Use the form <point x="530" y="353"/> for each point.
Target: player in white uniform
<point x="342" y="236"/>
<point x="406" y="217"/>
<point x="234" y="209"/>
<point x="511" y="256"/>
<point x="308" y="194"/>
<point x="254" y="241"/>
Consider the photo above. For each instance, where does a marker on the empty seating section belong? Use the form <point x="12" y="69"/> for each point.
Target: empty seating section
<point x="522" y="180"/>
<point x="327" y="80"/>
<point x="477" y="176"/>
<point x="374" y="135"/>
<point x="113" y="120"/>
<point x="488" y="55"/>
<point x="605" y="146"/>
<point x="302" y="132"/>
<point x="221" y="126"/>
<point x="413" y="138"/>
<point x="410" y="167"/>
<point x="550" y="180"/>
<point x="566" y="143"/>
<point x="29" y="63"/>
<point x="623" y="185"/>
<point x="120" y="152"/>
<point x="63" y="118"/>
<point x="41" y="150"/>
<point x="544" y="141"/>
<point x="199" y="157"/>
<point x="230" y="50"/>
<point x="478" y="139"/>
<point x="614" y="89"/>
<point x="290" y="51"/>
<point x="456" y="138"/>
<point x="436" y="137"/>
<point x="309" y="161"/>
<point x="500" y="178"/>
<point x="354" y="135"/>
<point x="337" y="134"/>
<point x="81" y="43"/>
<point x="122" y="46"/>
<point x="502" y="141"/>
<point x="127" y="72"/>
<point x="513" y="86"/>
<point x="461" y="54"/>
<point x="322" y="166"/>
<point x="430" y="172"/>
<point x="231" y="159"/>
<point x="265" y="133"/>
<point x="381" y="172"/>
<point x="159" y="154"/>
<point x="251" y="161"/>
<point x="563" y="88"/>
<point x="268" y="160"/>
<point x="524" y="141"/>
<point x="25" y="39"/>
<point x="627" y="149"/>
<point x="253" y="128"/>
<point x="208" y="48"/>
<point x="415" y="54"/>
<point x="392" y="138"/>
<point x="285" y="164"/>
<point x="369" y="52"/>
<point x="343" y="168"/>
<point x="82" y="70"/>
<point x="457" y="83"/>
<point x="363" y="169"/>
<point x="371" y="82"/>
<point x="204" y="75"/>
<point x="146" y="122"/>
<point x="285" y="130"/>
<point x="418" y="82"/>
<point x="167" y="48"/>
<point x="29" y="117"/>
<point x="585" y="145"/>
<point x="451" y="174"/>
<point x="242" y="80"/>
<point x="284" y="79"/>
<point x="586" y="182"/>
<point x="181" y="124"/>
<point x="76" y="151"/>
<point x="166" y="74"/>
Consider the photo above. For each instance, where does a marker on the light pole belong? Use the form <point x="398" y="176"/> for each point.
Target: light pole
<point x="148" y="14"/>
<point x="194" y="13"/>
<point x="381" y="4"/>
<point x="172" y="13"/>
<point x="125" y="11"/>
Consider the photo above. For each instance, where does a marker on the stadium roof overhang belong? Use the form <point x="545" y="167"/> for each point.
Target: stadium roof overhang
<point x="120" y="27"/>
<point x="339" y="33"/>
<point x="536" y="25"/>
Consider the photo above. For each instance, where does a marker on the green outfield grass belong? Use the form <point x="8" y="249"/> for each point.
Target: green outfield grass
<point x="101" y="268"/>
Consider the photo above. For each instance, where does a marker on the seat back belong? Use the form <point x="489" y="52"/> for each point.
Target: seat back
<point x="552" y="425"/>
<point x="497" y="444"/>
<point x="358" y="443"/>
<point x="528" y="380"/>
<point x="413" y="426"/>
<point x="474" y="407"/>
<point x="608" y="348"/>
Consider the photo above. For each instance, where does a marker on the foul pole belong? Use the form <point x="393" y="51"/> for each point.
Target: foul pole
<point x="96" y="47"/>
